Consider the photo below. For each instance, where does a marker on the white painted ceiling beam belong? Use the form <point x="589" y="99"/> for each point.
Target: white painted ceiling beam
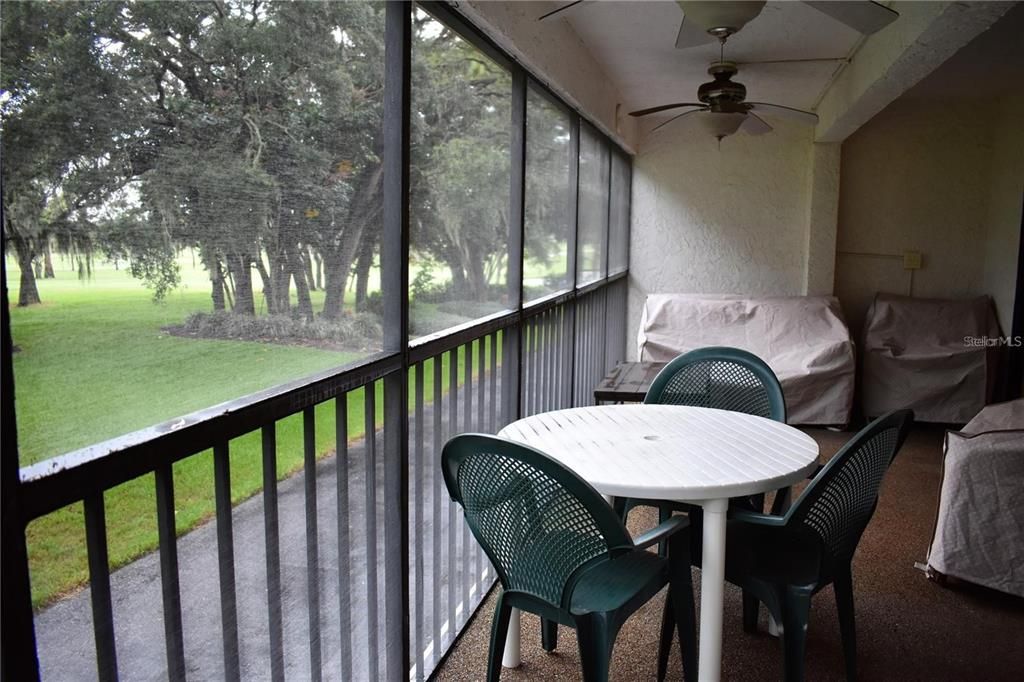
<point x="890" y="62"/>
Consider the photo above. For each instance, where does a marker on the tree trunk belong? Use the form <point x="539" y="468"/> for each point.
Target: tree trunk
<point x="307" y="262"/>
<point x="335" y="277"/>
<point x="216" y="281"/>
<point x="363" y="273"/>
<point x="38" y="265"/>
<point x="241" y="272"/>
<point x="48" y="264"/>
<point x="477" y="277"/>
<point x="28" y="292"/>
<point x="338" y="259"/>
<point x="305" y="304"/>
<point x="454" y="262"/>
<point x="282" y="287"/>
<point x="318" y="269"/>
<point x="268" y="285"/>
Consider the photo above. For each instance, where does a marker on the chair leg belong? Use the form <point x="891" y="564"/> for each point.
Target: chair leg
<point x="783" y="501"/>
<point x="595" y="638"/>
<point x="680" y="610"/>
<point x="664" y="514"/>
<point x="668" y="623"/>
<point x="686" y="619"/>
<point x="751" y="612"/>
<point x="843" y="587"/>
<point x="548" y="634"/>
<point x="796" y="612"/>
<point x="499" y="629"/>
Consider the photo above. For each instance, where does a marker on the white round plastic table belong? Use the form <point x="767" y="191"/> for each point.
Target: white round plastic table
<point x="671" y="452"/>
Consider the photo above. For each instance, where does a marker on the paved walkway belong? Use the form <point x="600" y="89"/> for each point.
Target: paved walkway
<point x="64" y="630"/>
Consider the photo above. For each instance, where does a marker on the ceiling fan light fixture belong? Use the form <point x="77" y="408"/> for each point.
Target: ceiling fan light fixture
<point x="721" y="124"/>
<point x="720" y="18"/>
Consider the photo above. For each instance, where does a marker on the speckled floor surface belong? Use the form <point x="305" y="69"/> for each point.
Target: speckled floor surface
<point x="907" y="627"/>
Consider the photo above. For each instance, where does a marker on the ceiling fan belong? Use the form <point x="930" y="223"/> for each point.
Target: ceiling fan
<point x="724" y="109"/>
<point x="705" y="21"/>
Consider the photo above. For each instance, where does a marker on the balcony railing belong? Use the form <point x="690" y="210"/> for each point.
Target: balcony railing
<point x="344" y="611"/>
<point x="358" y="566"/>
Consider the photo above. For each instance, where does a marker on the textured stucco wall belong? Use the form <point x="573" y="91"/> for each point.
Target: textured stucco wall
<point x="822" y="219"/>
<point x="1002" y="243"/>
<point x="916" y="177"/>
<point x="710" y="220"/>
<point x="554" y="54"/>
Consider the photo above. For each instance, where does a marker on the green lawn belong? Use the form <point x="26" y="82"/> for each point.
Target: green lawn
<point x="93" y="364"/>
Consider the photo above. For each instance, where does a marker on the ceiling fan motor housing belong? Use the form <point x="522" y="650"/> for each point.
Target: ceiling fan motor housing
<point x="722" y="91"/>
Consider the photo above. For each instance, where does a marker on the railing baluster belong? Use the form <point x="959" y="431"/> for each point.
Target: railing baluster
<point x="418" y="524"/>
<point x="453" y="521"/>
<point x="370" y="446"/>
<point x="436" y="521"/>
<point x="226" y="560"/>
<point x="494" y="383"/>
<point x="481" y="372"/>
<point x="468" y="544"/>
<point x="467" y="402"/>
<point x="534" y="367"/>
<point x="312" y="541"/>
<point x="344" y="555"/>
<point x="549" y="347"/>
<point x="99" y="585"/>
<point x="173" y="639"/>
<point x="272" y="542"/>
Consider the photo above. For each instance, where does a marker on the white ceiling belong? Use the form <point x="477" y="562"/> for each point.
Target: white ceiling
<point x="635" y="44"/>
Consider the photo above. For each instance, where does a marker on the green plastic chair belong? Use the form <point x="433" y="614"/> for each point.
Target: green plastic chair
<point x="724" y="378"/>
<point x="561" y="552"/>
<point x="784" y="560"/>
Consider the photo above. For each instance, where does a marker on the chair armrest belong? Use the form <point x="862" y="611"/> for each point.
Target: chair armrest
<point x="756" y="518"/>
<point x="661" y="532"/>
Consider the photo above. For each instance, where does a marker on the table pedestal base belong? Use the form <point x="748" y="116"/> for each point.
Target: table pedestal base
<point x="712" y="590"/>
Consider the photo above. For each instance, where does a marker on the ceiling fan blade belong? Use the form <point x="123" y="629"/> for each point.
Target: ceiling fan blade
<point x="560" y="9"/>
<point x="785" y="112"/>
<point x="864" y="16"/>
<point x="674" y="118"/>
<point x="755" y="125"/>
<point x="666" y="107"/>
<point x="692" y="35"/>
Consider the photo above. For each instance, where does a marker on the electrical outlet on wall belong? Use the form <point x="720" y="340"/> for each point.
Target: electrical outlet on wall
<point x="911" y="260"/>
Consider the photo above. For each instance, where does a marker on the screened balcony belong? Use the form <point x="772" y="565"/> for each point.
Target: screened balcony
<point x="262" y="260"/>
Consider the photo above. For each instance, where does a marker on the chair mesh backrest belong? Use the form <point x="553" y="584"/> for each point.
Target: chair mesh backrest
<point x="726" y="383"/>
<point x="837" y="508"/>
<point x="535" y="530"/>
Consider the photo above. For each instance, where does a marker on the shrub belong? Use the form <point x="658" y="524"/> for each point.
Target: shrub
<point x="359" y="330"/>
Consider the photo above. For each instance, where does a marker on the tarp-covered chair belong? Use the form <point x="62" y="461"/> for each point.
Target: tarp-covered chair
<point x="803" y="339"/>
<point x="979" y="527"/>
<point x="928" y="355"/>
